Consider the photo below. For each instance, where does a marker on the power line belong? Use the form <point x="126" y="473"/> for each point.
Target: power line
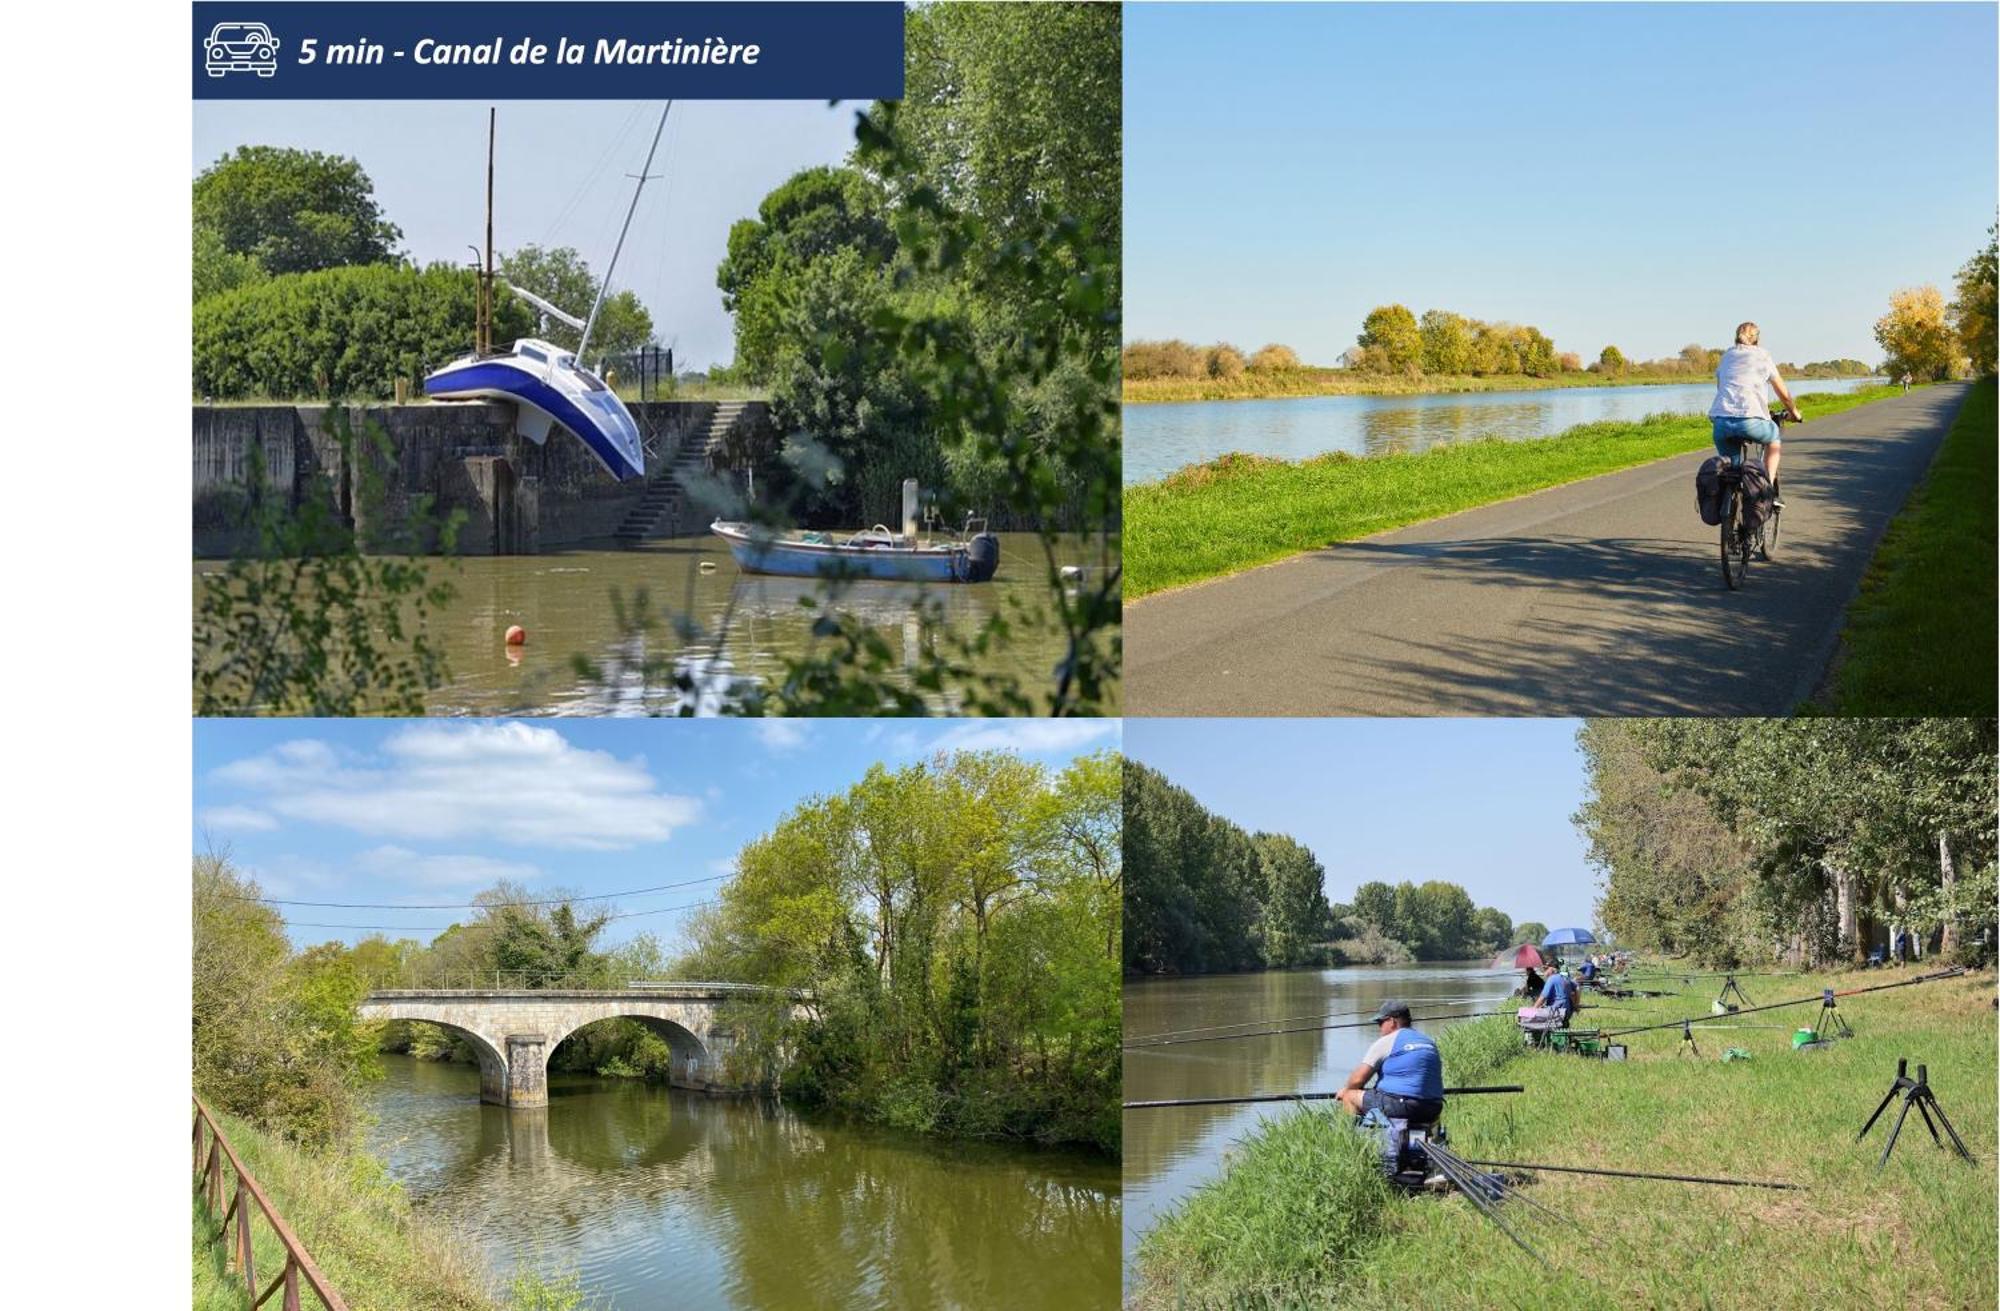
<point x="440" y="928"/>
<point x="470" y="905"/>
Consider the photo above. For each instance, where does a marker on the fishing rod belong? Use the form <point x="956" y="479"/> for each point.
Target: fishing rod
<point x="1310" y="1028"/>
<point x="1952" y="973"/>
<point x="1300" y="1097"/>
<point x="1642" y="1174"/>
<point x="1144" y="1038"/>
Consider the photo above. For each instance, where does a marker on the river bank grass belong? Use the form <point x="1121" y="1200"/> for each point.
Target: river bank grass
<point x="1920" y="637"/>
<point x="359" y="1228"/>
<point x="1302" y="1218"/>
<point x="1274" y="384"/>
<point x="1240" y="511"/>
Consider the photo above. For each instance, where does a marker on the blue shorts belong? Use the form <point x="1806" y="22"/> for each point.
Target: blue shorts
<point x="1749" y="427"/>
<point x="1419" y="1110"/>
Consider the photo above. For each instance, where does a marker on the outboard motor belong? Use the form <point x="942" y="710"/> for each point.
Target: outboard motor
<point x="982" y="553"/>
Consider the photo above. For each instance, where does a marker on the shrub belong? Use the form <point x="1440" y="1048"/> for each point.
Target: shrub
<point x="1224" y="361"/>
<point x="1163" y="359"/>
<point x="1274" y="359"/>
<point x="339" y="333"/>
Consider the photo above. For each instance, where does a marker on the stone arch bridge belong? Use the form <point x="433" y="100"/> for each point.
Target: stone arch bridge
<point x="513" y="1030"/>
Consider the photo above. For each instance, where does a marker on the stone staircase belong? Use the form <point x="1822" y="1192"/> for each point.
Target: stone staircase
<point x="667" y="491"/>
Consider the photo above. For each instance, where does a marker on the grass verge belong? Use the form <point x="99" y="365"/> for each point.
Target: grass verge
<point x="1239" y="511"/>
<point x="1920" y="637"/>
<point x="1296" y="1222"/>
<point x="357" y="1225"/>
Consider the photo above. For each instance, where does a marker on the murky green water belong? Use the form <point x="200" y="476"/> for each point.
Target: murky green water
<point x="564" y="601"/>
<point x="1170" y="1152"/>
<point x="660" y="1198"/>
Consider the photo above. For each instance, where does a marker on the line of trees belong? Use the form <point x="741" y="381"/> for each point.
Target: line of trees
<point x="1443" y="344"/>
<point x="1011" y="119"/>
<point x="301" y="288"/>
<point x="955" y="927"/>
<point x="1739" y="841"/>
<point x="1179" y="359"/>
<point x="1204" y="895"/>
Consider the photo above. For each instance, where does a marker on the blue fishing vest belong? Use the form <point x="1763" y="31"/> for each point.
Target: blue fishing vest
<point x="1413" y="1067"/>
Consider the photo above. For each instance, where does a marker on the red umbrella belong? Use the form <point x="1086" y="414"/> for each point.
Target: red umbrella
<point x="1524" y="957"/>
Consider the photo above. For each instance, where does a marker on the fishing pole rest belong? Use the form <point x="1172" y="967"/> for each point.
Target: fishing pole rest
<point x="1914" y="1092"/>
<point x="1831" y="1023"/>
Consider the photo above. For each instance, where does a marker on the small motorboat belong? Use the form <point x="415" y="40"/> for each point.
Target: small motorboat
<point x="548" y="388"/>
<point x="878" y="553"/>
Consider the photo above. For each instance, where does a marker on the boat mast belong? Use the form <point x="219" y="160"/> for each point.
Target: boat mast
<point x="644" y="174"/>
<point x="484" y="345"/>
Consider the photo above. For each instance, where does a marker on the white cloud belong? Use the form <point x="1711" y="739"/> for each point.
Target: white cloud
<point x="237" y="819"/>
<point x="781" y="736"/>
<point x="406" y="866"/>
<point x="1026" y="735"/>
<point x="509" y="782"/>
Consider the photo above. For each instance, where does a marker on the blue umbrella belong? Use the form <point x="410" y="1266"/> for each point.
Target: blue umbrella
<point x="1569" y="938"/>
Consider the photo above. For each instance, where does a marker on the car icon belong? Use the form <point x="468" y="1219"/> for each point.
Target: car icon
<point x="241" y="48"/>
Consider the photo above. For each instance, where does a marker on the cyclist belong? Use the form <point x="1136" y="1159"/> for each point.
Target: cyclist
<point x="1742" y="407"/>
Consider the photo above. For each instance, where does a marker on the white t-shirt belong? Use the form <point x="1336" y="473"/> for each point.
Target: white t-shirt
<point x="1742" y="384"/>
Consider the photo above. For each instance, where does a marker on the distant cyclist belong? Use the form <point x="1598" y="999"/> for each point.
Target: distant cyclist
<point x="1742" y="407"/>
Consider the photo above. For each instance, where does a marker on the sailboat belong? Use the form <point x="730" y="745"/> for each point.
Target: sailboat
<point x="549" y="386"/>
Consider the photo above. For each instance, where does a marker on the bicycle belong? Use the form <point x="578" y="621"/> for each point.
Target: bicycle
<point x="1740" y="540"/>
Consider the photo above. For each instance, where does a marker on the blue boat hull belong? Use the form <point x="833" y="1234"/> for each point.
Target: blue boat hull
<point x="974" y="562"/>
<point x="600" y="421"/>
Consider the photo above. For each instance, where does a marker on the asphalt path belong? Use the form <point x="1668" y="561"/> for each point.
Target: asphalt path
<point x="1602" y="597"/>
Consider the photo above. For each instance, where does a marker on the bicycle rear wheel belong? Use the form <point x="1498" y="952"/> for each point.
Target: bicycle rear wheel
<point x="1735" y="541"/>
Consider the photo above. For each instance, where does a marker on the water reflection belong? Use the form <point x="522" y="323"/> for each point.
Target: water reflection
<point x="1162" y="438"/>
<point x="663" y="1198"/>
<point x="1170" y="1152"/>
<point x="743" y="624"/>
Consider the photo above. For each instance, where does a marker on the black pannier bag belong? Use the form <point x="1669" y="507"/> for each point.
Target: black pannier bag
<point x="1756" y="495"/>
<point x="1708" y="489"/>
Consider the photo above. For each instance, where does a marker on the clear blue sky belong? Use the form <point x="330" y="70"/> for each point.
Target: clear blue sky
<point x="1483" y="803"/>
<point x="422" y="812"/>
<point x="1644" y="175"/>
<point x="560" y="180"/>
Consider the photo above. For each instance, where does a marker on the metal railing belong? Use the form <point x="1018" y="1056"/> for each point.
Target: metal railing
<point x="208" y="1172"/>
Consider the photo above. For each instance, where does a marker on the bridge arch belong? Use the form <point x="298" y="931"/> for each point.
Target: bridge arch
<point x="692" y="1063"/>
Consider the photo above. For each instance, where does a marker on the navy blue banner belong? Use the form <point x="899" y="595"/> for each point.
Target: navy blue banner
<point x="547" y="51"/>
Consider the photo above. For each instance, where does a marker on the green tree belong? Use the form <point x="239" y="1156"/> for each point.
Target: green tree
<point x="217" y="268"/>
<point x="815" y="213"/>
<point x="1974" y="312"/>
<point x="560" y="277"/>
<point x="1447" y="342"/>
<point x="1294" y="900"/>
<point x="275" y="1036"/>
<point x="1531" y="932"/>
<point x="1393" y="330"/>
<point x="294" y="211"/>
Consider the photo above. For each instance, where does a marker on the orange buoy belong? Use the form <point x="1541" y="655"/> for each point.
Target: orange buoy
<point x="517" y="636"/>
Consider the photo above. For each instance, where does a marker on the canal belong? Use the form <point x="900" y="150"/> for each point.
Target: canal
<point x="663" y="1198"/>
<point x="1171" y="1151"/>
<point x="565" y="601"/>
<point x="1160" y="438"/>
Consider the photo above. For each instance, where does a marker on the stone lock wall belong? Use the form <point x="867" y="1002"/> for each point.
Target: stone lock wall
<point x="517" y="498"/>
